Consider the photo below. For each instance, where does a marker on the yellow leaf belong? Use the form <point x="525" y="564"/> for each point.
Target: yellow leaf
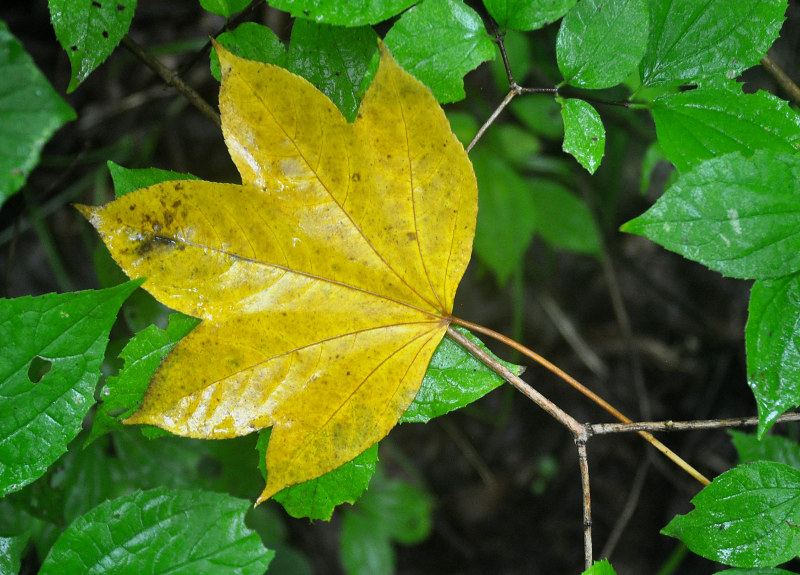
<point x="325" y="281"/>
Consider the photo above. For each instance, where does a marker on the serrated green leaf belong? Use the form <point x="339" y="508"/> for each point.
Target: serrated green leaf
<point x="508" y="214"/>
<point x="600" y="568"/>
<point x="734" y="214"/>
<point x="701" y="124"/>
<point x="123" y="393"/>
<point x="390" y="510"/>
<point x="252" y="41"/>
<point x="527" y="15"/>
<point x="769" y="448"/>
<point x="772" y="342"/>
<point x="455" y="378"/>
<point x="691" y="40"/>
<point x="439" y="41"/>
<point x="746" y="517"/>
<point x="584" y="134"/>
<point x="563" y="219"/>
<point x="11" y="549"/>
<point x="32" y="111"/>
<point x="89" y="30"/>
<point x="336" y="12"/>
<point x="127" y="180"/>
<point x="601" y="42"/>
<point x="38" y="420"/>
<point x="161" y="531"/>
<point x="333" y="58"/>
<point x="224" y="8"/>
<point x="316" y="499"/>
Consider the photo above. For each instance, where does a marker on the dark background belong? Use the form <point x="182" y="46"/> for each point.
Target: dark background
<point x="503" y="475"/>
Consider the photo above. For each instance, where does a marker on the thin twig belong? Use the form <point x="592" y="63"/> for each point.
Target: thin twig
<point x="782" y="78"/>
<point x="492" y="118"/>
<point x="171" y="78"/>
<point x="551" y="408"/>
<point x="583" y="462"/>
<point x="639" y="426"/>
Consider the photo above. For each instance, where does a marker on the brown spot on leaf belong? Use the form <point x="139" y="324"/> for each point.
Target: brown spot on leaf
<point x="96" y="4"/>
<point x="105" y="33"/>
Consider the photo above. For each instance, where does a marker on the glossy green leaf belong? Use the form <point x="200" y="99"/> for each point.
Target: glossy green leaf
<point x="769" y="448"/>
<point x="11" y="550"/>
<point x="772" y="342"/>
<point x="701" y="124"/>
<point x="527" y="14"/>
<point x="601" y="42"/>
<point x="564" y="220"/>
<point x="508" y="214"/>
<point x="127" y="180"/>
<point x="31" y="112"/>
<point x="316" y="499"/>
<point x="600" y="568"/>
<point x="123" y="393"/>
<point x="439" y="41"/>
<point x="333" y="58"/>
<point x="584" y="134"/>
<point x="89" y="30"/>
<point x="161" y="531"/>
<point x="747" y="517"/>
<point x="691" y="40"/>
<point x="455" y="378"/>
<point x="390" y="510"/>
<point x="252" y="41"/>
<point x="225" y="8"/>
<point x="352" y="13"/>
<point x="38" y="419"/>
<point x="734" y="214"/>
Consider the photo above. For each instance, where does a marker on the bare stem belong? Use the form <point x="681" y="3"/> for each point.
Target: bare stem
<point x="782" y="78"/>
<point x="583" y="462"/>
<point x="639" y="426"/>
<point x="171" y="78"/>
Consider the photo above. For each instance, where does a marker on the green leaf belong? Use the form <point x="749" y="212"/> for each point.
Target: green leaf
<point x="11" y="550"/>
<point x="123" y="393"/>
<point x="161" y="531"/>
<point x="772" y="342"/>
<point x="252" y="41"/>
<point x="334" y="59"/>
<point x="747" y="517"/>
<point x="652" y="157"/>
<point x="601" y="42"/>
<point x="455" y="378"/>
<point x="769" y="448"/>
<point x="691" y="40"/>
<point x="736" y="215"/>
<point x="89" y="30"/>
<point x="32" y="111"/>
<point x="527" y="14"/>
<point x="38" y="419"/>
<point x="600" y="568"/>
<point x="127" y="180"/>
<point x="701" y="124"/>
<point x="584" y="134"/>
<point x="564" y="220"/>
<point x="353" y="13"/>
<point x="224" y="8"/>
<point x="439" y="41"/>
<point x="316" y="499"/>
<point x="390" y="510"/>
<point x="508" y="214"/>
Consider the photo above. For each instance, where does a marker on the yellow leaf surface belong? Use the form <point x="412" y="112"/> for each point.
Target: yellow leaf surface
<point x="325" y="281"/>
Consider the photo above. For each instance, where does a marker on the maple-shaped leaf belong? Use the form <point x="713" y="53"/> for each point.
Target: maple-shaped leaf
<point x="324" y="282"/>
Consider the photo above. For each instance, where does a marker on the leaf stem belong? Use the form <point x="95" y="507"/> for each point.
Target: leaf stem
<point x="557" y="412"/>
<point x="171" y="78"/>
